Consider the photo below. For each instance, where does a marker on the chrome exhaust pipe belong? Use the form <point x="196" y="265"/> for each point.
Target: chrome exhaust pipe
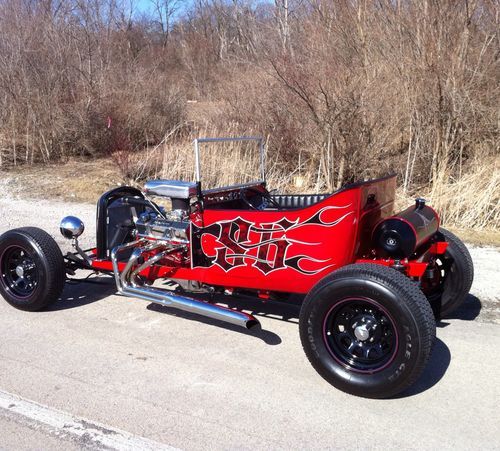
<point x="191" y="305"/>
<point x="114" y="260"/>
<point x="166" y="298"/>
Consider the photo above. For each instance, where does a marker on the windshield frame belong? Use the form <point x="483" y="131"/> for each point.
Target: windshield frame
<point x="257" y="139"/>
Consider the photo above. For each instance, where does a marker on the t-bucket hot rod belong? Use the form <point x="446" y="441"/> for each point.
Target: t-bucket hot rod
<point x="372" y="282"/>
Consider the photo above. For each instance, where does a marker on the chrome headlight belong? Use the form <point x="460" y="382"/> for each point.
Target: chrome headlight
<point x="71" y="227"/>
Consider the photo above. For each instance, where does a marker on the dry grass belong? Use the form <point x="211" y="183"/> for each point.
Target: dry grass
<point x="76" y="180"/>
<point x="469" y="203"/>
<point x="85" y="181"/>
<point x="487" y="237"/>
<point x="473" y="201"/>
<point x="223" y="164"/>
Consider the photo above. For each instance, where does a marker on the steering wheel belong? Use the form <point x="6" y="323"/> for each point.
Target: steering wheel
<point x="267" y="199"/>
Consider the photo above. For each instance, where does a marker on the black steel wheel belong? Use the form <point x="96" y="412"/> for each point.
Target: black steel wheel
<point x="18" y="271"/>
<point x="32" y="272"/>
<point x="368" y="330"/>
<point x="456" y="272"/>
<point x="360" y="334"/>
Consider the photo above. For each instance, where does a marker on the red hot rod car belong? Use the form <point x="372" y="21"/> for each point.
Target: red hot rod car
<point x="373" y="281"/>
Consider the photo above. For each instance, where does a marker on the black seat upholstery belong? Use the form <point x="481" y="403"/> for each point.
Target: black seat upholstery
<point x="287" y="201"/>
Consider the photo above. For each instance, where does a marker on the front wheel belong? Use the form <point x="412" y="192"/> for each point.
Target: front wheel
<point x="32" y="270"/>
<point x="368" y="330"/>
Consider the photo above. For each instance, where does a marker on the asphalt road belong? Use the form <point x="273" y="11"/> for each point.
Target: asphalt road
<point x="164" y="376"/>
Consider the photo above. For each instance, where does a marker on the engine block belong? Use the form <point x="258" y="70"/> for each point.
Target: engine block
<point x="172" y="227"/>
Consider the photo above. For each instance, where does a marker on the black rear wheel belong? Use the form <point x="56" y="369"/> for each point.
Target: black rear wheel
<point x="456" y="271"/>
<point x="368" y="330"/>
<point x="32" y="272"/>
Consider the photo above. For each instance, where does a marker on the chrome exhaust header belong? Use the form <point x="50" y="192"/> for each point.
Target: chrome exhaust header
<point x="128" y="284"/>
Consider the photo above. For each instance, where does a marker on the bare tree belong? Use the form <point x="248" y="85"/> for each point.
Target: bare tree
<point x="341" y="90"/>
<point x="165" y="11"/>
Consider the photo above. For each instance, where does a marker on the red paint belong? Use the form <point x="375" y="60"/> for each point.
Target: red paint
<point x="412" y="268"/>
<point x="416" y="269"/>
<point x="438" y="248"/>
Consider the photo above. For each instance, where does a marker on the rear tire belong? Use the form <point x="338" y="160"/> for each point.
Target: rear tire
<point x="32" y="272"/>
<point x="368" y="330"/>
<point x="459" y="273"/>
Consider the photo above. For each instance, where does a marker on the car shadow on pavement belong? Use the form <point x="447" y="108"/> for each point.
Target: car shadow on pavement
<point x="266" y="336"/>
<point x="436" y="367"/>
<point x="440" y="357"/>
<point x="468" y="311"/>
<point x="79" y="293"/>
<point x="287" y="311"/>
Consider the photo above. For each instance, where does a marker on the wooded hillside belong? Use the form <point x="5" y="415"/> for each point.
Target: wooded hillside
<point x="341" y="90"/>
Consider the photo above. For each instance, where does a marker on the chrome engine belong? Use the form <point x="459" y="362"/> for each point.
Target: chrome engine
<point x="161" y="236"/>
<point x="155" y="237"/>
<point x="168" y="226"/>
<point x="171" y="226"/>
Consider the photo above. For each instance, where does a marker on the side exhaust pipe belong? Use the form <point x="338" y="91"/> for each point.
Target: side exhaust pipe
<point x="130" y="288"/>
<point x="193" y="306"/>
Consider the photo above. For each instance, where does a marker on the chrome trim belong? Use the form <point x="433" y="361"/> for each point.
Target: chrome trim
<point x="71" y="227"/>
<point x="80" y="251"/>
<point x="176" y="189"/>
<point x="155" y="259"/>
<point x="197" y="159"/>
<point x="114" y="260"/>
<point x="192" y="305"/>
<point x="136" y="254"/>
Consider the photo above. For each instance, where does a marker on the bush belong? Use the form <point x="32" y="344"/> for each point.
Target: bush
<point x="340" y="90"/>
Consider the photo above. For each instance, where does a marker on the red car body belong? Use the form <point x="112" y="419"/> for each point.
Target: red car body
<point x="283" y="251"/>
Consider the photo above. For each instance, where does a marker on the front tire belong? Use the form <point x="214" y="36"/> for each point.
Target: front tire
<point x="32" y="272"/>
<point x="368" y="330"/>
